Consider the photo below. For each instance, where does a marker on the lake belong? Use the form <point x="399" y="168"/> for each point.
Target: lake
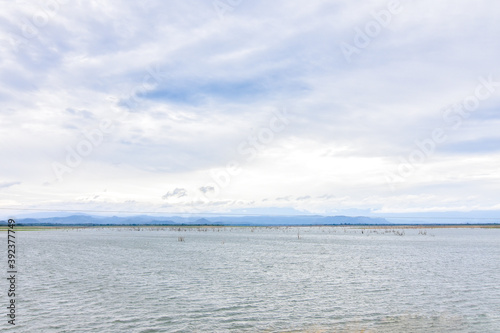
<point x="245" y="279"/>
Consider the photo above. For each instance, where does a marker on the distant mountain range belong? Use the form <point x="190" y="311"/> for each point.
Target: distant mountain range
<point x="83" y="219"/>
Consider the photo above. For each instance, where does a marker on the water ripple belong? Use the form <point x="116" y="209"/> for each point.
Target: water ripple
<point x="258" y="280"/>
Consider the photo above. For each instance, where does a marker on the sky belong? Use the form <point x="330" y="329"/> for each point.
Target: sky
<point x="238" y="106"/>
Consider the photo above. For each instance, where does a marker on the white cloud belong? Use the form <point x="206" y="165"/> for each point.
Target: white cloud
<point x="8" y="184"/>
<point x="183" y="89"/>
<point x="177" y="193"/>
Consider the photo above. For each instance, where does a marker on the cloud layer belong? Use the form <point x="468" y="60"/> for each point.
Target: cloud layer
<point x="189" y="107"/>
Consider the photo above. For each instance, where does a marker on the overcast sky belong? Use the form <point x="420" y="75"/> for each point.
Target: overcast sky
<point x="331" y="107"/>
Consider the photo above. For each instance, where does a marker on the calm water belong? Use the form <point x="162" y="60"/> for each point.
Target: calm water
<point x="326" y="279"/>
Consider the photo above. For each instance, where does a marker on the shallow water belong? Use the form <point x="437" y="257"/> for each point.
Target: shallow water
<point x="308" y="279"/>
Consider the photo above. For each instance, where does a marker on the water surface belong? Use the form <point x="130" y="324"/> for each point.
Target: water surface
<point x="308" y="279"/>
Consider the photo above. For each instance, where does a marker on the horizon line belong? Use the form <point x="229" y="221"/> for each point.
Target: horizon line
<point x="240" y="214"/>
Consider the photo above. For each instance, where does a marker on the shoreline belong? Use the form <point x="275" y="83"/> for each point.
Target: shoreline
<point x="350" y="226"/>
